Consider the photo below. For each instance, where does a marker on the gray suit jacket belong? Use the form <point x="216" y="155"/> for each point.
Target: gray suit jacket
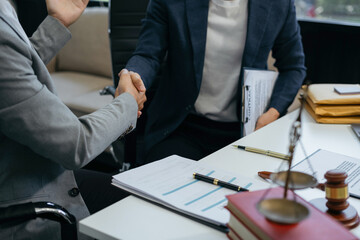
<point x="41" y="140"/>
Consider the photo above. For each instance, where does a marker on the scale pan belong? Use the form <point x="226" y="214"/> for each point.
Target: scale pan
<point x="281" y="210"/>
<point x="298" y="180"/>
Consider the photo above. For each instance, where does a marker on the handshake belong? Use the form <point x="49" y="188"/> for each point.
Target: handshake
<point x="131" y="82"/>
<point x="67" y="12"/>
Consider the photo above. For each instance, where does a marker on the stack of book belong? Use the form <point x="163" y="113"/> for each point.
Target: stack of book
<point x="334" y="103"/>
<point x="246" y="222"/>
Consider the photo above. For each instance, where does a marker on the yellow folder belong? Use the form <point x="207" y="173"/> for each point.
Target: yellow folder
<point x="332" y="120"/>
<point x="325" y="94"/>
<point x="334" y="110"/>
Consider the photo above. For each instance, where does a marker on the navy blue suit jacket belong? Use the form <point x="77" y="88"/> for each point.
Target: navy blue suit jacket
<point x="178" y="28"/>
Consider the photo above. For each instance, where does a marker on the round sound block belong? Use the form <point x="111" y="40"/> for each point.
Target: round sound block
<point x="349" y="217"/>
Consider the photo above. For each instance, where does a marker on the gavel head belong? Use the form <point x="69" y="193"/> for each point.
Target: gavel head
<point x="336" y="190"/>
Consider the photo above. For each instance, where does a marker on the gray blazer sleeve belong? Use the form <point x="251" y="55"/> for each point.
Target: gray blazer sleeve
<point x="35" y="117"/>
<point x="49" y="38"/>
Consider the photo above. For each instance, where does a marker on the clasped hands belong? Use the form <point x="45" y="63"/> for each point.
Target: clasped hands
<point x="67" y="12"/>
<point x="131" y="82"/>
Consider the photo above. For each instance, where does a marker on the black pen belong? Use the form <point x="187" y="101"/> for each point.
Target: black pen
<point x="218" y="182"/>
<point x="264" y="152"/>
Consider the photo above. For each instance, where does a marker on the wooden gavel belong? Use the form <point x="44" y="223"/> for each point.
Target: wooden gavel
<point x="266" y="175"/>
<point x="336" y="194"/>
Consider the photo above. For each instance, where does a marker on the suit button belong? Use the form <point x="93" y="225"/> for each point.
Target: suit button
<point x="188" y="108"/>
<point x="74" y="192"/>
<point x="128" y="130"/>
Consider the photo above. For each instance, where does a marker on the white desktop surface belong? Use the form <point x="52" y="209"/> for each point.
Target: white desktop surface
<point x="133" y="218"/>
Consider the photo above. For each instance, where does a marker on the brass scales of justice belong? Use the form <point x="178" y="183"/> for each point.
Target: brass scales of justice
<point x="289" y="211"/>
<point x="285" y="210"/>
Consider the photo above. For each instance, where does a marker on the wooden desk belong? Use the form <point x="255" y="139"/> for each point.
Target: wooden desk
<point x="133" y="218"/>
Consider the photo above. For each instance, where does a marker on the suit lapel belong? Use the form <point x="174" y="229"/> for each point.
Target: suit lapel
<point x="197" y="14"/>
<point x="8" y="15"/>
<point x="257" y="19"/>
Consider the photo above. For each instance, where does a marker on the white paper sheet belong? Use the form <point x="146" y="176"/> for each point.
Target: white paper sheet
<point x="258" y="86"/>
<point x="322" y="161"/>
<point x="170" y="182"/>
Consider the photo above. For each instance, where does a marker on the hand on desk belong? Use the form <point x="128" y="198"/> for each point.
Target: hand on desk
<point x="131" y="82"/>
<point x="271" y="115"/>
<point x="66" y="11"/>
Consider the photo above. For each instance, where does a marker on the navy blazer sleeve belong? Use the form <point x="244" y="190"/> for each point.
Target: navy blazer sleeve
<point x="152" y="44"/>
<point x="290" y="60"/>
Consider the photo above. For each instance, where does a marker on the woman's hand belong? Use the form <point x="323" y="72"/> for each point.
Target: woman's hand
<point x="66" y="11"/>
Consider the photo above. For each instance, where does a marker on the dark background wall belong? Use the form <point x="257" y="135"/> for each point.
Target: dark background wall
<point x="32" y="12"/>
<point x="332" y="50"/>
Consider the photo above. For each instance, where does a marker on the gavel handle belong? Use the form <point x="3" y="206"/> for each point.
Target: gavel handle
<point x="264" y="174"/>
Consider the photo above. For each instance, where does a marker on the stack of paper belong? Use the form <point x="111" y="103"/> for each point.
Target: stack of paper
<point x="327" y="105"/>
<point x="170" y="183"/>
<point x="322" y="161"/>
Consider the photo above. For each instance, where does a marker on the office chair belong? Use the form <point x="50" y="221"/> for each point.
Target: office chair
<point x="16" y="214"/>
<point x="124" y="28"/>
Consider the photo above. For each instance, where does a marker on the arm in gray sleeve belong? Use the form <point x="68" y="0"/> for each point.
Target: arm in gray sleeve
<point x="49" y="38"/>
<point x="33" y="116"/>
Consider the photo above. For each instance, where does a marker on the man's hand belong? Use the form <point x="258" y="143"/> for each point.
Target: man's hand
<point x="271" y="115"/>
<point x="131" y="82"/>
<point x="137" y="81"/>
<point x="66" y="11"/>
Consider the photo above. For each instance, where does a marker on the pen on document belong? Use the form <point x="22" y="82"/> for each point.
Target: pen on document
<point x="218" y="182"/>
<point x="265" y="152"/>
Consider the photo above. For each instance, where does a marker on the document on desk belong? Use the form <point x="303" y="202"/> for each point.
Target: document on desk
<point x="169" y="182"/>
<point x="257" y="90"/>
<point x="323" y="160"/>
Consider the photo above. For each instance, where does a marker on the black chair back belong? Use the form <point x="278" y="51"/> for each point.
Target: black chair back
<point x="124" y="27"/>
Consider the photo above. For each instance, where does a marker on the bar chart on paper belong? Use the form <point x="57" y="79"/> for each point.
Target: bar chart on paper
<point x="170" y="183"/>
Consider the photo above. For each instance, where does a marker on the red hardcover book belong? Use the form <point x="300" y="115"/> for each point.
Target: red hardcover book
<point x="246" y="219"/>
<point x="233" y="236"/>
<point x="241" y="232"/>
